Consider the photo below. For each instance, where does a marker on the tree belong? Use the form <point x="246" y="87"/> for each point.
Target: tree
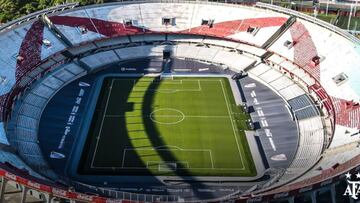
<point x="8" y="9"/>
<point x="11" y="9"/>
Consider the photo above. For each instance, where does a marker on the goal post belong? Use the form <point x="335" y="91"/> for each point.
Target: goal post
<point x="166" y="166"/>
<point x="166" y="76"/>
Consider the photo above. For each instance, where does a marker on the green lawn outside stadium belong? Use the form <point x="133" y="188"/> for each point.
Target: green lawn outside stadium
<point x="179" y="126"/>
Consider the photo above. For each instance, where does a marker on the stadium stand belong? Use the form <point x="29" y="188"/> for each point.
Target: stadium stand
<point x="292" y="68"/>
<point x="348" y="112"/>
<point x="50" y="44"/>
<point x="112" y="41"/>
<point x="81" y="49"/>
<point x="303" y="107"/>
<point x="82" y="28"/>
<point x="30" y="49"/>
<point x="100" y="59"/>
<point x="287" y="89"/>
<point x="148" y="38"/>
<point x="233" y="60"/>
<point x="310" y="147"/>
<point x="310" y="123"/>
<point x="178" y="20"/>
<point x="281" y="83"/>
<point x="23" y="130"/>
<point x="138" y="52"/>
<point x="186" y="38"/>
<point x="10" y="45"/>
<point x="270" y="75"/>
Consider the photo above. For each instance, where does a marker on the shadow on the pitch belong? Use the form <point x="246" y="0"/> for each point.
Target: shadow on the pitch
<point x="166" y="153"/>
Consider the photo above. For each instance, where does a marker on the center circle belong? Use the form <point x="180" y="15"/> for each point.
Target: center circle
<point x="167" y="116"/>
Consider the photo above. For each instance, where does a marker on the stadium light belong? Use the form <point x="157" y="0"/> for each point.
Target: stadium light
<point x="355" y="11"/>
<point x="327" y="7"/>
<point x="350" y="14"/>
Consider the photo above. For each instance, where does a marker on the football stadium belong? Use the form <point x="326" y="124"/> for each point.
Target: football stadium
<point x="178" y="101"/>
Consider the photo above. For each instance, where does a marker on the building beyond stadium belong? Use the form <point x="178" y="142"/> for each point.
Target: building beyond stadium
<point x="297" y="78"/>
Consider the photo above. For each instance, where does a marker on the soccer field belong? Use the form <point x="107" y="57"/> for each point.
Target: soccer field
<point x="176" y="126"/>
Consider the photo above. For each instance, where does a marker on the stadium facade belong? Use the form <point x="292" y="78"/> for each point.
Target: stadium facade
<point x="311" y="65"/>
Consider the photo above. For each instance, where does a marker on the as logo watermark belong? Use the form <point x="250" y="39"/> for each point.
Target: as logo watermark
<point x="353" y="187"/>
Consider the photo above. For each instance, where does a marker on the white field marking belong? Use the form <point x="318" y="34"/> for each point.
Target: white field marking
<point x="264" y="123"/>
<point x="195" y="168"/>
<point x="175" y="79"/>
<point x="181" y="116"/>
<point x="250" y="85"/>
<point x="166" y="81"/>
<point x="272" y="144"/>
<point x="182" y="70"/>
<point x="203" y="69"/>
<point x="165" y="116"/>
<point x="160" y="162"/>
<point x="164" y="90"/>
<point x="160" y="148"/>
<point x="122" y="161"/>
<point x="178" y="148"/>
<point x="198" y="116"/>
<point x="167" y="169"/>
<point x="168" y="146"/>
<point x="211" y="159"/>
<point x="157" y="149"/>
<point x="253" y="94"/>
<point x="187" y="79"/>
<point x="232" y="124"/>
<point x="302" y="108"/>
<point x="269" y="135"/>
<point x="102" y="123"/>
<point x="169" y="81"/>
<point x="289" y="111"/>
<point x="260" y="112"/>
<point x="160" y="169"/>
<point x="178" y="82"/>
<point x="165" y="162"/>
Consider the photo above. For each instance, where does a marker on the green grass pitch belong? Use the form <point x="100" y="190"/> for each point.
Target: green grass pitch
<point x="177" y="126"/>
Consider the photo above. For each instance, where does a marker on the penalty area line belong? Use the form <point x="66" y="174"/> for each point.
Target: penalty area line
<point x="102" y="123"/>
<point x="232" y="124"/>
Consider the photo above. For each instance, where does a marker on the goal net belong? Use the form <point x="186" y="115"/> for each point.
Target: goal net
<point x="166" y="76"/>
<point x="165" y="166"/>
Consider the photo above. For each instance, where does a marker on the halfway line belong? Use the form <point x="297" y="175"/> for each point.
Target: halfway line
<point x="168" y="116"/>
